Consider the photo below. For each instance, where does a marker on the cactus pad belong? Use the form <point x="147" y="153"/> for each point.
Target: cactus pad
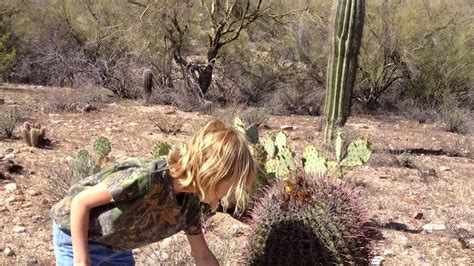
<point x="102" y="148"/>
<point x="358" y="153"/>
<point x="161" y="149"/>
<point x="83" y="165"/>
<point x="280" y="139"/>
<point x="269" y="146"/>
<point x="252" y="134"/>
<point x="271" y="165"/>
<point x="239" y="125"/>
<point x="313" y="163"/>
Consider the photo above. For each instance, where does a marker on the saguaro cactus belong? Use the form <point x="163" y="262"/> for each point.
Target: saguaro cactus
<point x="147" y="84"/>
<point x="346" y="35"/>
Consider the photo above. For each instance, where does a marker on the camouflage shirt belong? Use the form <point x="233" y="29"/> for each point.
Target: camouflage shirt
<point x="144" y="208"/>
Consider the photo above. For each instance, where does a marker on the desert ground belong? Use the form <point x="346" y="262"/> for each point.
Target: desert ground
<point x="418" y="186"/>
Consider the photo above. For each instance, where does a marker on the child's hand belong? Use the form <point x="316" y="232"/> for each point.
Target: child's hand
<point x="201" y="252"/>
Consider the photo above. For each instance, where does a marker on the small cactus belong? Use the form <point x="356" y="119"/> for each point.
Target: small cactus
<point x="26" y="133"/>
<point x="33" y="134"/>
<point x="147" y="84"/>
<point x="102" y="148"/>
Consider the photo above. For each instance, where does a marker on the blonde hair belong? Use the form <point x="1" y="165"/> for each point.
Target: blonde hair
<point x="215" y="154"/>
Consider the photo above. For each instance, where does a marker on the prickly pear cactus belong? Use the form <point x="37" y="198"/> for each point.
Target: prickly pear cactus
<point x="280" y="139"/>
<point x="313" y="162"/>
<point x="310" y="221"/>
<point x="239" y="125"/>
<point x="269" y="145"/>
<point x="280" y="159"/>
<point x="83" y="165"/>
<point x="358" y="153"/>
<point x="161" y="149"/>
<point x="260" y="156"/>
<point x="102" y="148"/>
<point x="286" y="164"/>
<point x="251" y="132"/>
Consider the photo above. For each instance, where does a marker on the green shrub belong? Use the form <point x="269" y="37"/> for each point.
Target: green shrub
<point x="406" y="160"/>
<point x="6" y="55"/>
<point x="453" y="117"/>
<point x="454" y="120"/>
<point x="8" y="119"/>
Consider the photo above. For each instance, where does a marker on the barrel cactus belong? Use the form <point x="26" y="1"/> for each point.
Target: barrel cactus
<point x="310" y="221"/>
<point x="33" y="134"/>
<point x="346" y="36"/>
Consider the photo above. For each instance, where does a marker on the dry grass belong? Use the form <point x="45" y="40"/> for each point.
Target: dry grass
<point x="455" y="120"/>
<point x="255" y="116"/>
<point x="227" y="114"/>
<point x="70" y="100"/>
<point x="167" y="124"/>
<point x="461" y="147"/>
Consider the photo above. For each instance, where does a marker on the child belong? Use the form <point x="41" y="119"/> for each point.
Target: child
<point x="136" y="203"/>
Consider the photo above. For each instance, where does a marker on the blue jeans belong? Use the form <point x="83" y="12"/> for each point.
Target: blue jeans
<point x="99" y="254"/>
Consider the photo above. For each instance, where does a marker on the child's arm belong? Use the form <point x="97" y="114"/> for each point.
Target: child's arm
<point x="80" y="208"/>
<point x="201" y="252"/>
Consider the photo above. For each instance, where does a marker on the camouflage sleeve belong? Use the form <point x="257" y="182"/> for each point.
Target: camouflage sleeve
<point x="128" y="183"/>
<point x="194" y="227"/>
